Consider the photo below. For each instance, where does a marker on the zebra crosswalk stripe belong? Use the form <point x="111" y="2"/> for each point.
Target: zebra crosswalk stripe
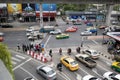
<point x="19" y="56"/>
<point x="16" y="59"/>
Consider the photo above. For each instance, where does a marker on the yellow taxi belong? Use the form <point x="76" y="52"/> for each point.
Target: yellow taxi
<point x="69" y="63"/>
<point x="116" y="66"/>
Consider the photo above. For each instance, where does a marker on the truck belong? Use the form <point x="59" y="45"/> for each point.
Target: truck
<point x="47" y="29"/>
<point x="86" y="60"/>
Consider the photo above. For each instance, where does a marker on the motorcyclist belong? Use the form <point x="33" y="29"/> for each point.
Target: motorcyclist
<point x="59" y="66"/>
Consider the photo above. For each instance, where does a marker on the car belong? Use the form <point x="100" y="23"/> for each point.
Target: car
<point x="111" y="76"/>
<point x="46" y="72"/>
<point x="1" y="39"/>
<point x="62" y="36"/>
<point x="90" y="77"/>
<point x="116" y="66"/>
<point x="77" y="23"/>
<point x="92" y="29"/>
<point x="103" y="26"/>
<point x="115" y="22"/>
<point x="86" y="33"/>
<point x="6" y="26"/>
<point x="70" y="29"/>
<point x="86" y="60"/>
<point x="75" y="27"/>
<point x="1" y="34"/>
<point x="70" y="63"/>
<point x="29" y="78"/>
<point x="30" y="29"/>
<point x="89" y="24"/>
<point x="57" y="31"/>
<point x="92" y="53"/>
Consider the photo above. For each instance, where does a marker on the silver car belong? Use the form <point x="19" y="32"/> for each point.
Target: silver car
<point x="57" y="31"/>
<point x="47" y="72"/>
<point x="92" y="53"/>
<point x="29" y="78"/>
<point x="86" y="33"/>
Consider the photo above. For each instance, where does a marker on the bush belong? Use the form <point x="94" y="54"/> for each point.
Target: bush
<point x="6" y="58"/>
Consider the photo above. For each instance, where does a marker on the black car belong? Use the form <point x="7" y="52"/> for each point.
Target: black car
<point x="6" y="26"/>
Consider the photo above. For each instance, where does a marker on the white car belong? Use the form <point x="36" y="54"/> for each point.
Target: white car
<point x="57" y="31"/>
<point x="111" y="76"/>
<point x="30" y="29"/>
<point x="92" y="53"/>
<point x="1" y="34"/>
<point x="86" y="33"/>
<point x="90" y="77"/>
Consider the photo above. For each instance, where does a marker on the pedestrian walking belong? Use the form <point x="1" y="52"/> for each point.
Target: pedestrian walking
<point x="50" y="52"/>
<point x="18" y="46"/>
<point x="23" y="47"/>
<point x="60" y="51"/>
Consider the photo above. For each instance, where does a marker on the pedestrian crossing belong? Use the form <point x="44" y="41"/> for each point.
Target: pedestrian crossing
<point x="16" y="59"/>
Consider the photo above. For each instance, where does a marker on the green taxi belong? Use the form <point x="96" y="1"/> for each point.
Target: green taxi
<point x="116" y="66"/>
<point x="62" y="36"/>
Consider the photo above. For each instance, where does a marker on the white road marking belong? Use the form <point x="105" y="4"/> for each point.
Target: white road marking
<point x="95" y="42"/>
<point x="78" y="76"/>
<point x="13" y="62"/>
<point x="65" y="76"/>
<point x="95" y="71"/>
<point x="28" y="73"/>
<point x="21" y="64"/>
<point x="102" y="67"/>
<point x="47" y="40"/>
<point x="19" y="56"/>
<point x="13" y="58"/>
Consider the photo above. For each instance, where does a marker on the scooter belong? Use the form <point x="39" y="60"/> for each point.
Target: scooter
<point x="59" y="68"/>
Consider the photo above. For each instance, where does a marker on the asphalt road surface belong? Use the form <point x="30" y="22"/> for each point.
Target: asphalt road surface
<point x="24" y="65"/>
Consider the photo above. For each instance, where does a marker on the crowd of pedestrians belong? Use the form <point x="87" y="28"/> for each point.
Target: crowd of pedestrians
<point x="33" y="47"/>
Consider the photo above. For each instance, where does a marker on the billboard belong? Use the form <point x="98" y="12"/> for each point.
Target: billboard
<point x="48" y="10"/>
<point x="28" y="7"/>
<point x="3" y="5"/>
<point x="12" y="8"/>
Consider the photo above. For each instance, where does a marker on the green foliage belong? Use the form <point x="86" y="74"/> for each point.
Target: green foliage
<point x="6" y="58"/>
<point x="72" y="7"/>
<point x="116" y="7"/>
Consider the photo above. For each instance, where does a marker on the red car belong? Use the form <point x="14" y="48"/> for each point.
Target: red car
<point x="102" y="27"/>
<point x="70" y="29"/>
<point x="75" y="27"/>
<point x="1" y="39"/>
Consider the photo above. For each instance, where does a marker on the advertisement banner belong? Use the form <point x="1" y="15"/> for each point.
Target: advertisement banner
<point x="28" y="7"/>
<point x="14" y="8"/>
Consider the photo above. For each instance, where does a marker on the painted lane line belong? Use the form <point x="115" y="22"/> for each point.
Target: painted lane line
<point x="65" y="76"/>
<point x="21" y="64"/>
<point x="13" y="58"/>
<point x="29" y="73"/>
<point x="13" y="62"/>
<point x="84" y="71"/>
<point x="78" y="76"/>
<point x="19" y="56"/>
<point x="95" y="71"/>
<point x="102" y="68"/>
<point x="95" y="42"/>
<point x="47" y="40"/>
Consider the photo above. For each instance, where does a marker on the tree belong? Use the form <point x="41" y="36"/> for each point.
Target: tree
<point x="6" y="58"/>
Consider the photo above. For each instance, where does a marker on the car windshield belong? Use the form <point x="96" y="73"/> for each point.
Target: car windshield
<point x="118" y="64"/>
<point x="94" y="78"/>
<point x="73" y="63"/>
<point x="94" y="52"/>
<point x="50" y="72"/>
<point x="113" y="74"/>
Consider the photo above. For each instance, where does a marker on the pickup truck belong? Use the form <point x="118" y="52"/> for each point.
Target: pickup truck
<point x="85" y="59"/>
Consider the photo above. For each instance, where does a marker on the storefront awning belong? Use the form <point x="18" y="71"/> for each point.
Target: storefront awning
<point x="115" y="35"/>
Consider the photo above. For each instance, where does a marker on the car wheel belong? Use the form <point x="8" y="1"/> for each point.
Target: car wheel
<point x="105" y="79"/>
<point x="113" y="68"/>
